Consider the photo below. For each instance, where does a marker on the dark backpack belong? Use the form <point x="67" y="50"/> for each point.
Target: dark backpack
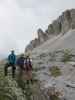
<point x="20" y="61"/>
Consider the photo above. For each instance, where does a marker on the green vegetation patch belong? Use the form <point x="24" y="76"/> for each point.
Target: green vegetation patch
<point x="67" y="55"/>
<point x="55" y="71"/>
<point x="54" y="97"/>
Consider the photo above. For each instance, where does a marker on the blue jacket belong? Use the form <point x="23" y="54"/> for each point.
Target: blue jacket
<point x="12" y="58"/>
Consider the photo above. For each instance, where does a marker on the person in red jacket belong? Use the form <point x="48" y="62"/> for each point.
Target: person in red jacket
<point x="28" y="69"/>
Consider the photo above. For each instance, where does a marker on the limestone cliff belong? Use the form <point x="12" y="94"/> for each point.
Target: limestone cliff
<point x="37" y="41"/>
<point x="62" y="24"/>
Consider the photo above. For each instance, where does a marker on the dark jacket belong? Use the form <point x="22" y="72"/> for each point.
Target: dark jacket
<point x="20" y="62"/>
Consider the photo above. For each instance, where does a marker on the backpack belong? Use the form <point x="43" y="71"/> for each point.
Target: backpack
<point x="20" y="61"/>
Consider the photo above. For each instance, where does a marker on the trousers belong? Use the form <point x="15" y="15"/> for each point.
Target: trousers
<point x="7" y="65"/>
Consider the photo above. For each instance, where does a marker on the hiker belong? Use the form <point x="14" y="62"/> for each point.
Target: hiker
<point x="28" y="68"/>
<point x="20" y="64"/>
<point x="11" y="63"/>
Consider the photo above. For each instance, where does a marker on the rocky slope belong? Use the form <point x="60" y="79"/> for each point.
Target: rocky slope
<point x="57" y="43"/>
<point x="58" y="50"/>
<point x="62" y="24"/>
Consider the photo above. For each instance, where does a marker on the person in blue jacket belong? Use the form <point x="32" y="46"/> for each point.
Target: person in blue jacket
<point x="11" y="63"/>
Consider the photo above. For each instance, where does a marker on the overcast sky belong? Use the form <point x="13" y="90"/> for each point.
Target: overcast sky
<point x="20" y="19"/>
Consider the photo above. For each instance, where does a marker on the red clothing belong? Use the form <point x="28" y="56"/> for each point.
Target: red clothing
<point x="28" y="65"/>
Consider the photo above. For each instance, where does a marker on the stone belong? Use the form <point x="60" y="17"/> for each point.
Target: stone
<point x="62" y="24"/>
<point x="42" y="37"/>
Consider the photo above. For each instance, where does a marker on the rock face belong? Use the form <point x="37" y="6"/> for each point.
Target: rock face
<point x="42" y="36"/>
<point x="65" y="22"/>
<point x="62" y="24"/>
<point x="37" y="41"/>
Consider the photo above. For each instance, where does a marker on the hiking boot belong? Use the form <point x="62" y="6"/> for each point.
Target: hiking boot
<point x="27" y="82"/>
<point x="31" y="81"/>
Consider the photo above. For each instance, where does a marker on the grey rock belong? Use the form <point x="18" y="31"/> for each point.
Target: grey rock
<point x="33" y="44"/>
<point x="62" y="24"/>
<point x="42" y="37"/>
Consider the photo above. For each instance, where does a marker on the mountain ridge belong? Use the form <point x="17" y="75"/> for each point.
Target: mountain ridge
<point x="62" y="24"/>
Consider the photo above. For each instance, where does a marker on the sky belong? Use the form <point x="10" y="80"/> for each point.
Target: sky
<point x="20" y="19"/>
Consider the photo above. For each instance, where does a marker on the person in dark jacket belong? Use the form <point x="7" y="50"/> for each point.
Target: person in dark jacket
<point x="11" y="63"/>
<point x="20" y="64"/>
<point x="28" y="69"/>
<point x="28" y="64"/>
